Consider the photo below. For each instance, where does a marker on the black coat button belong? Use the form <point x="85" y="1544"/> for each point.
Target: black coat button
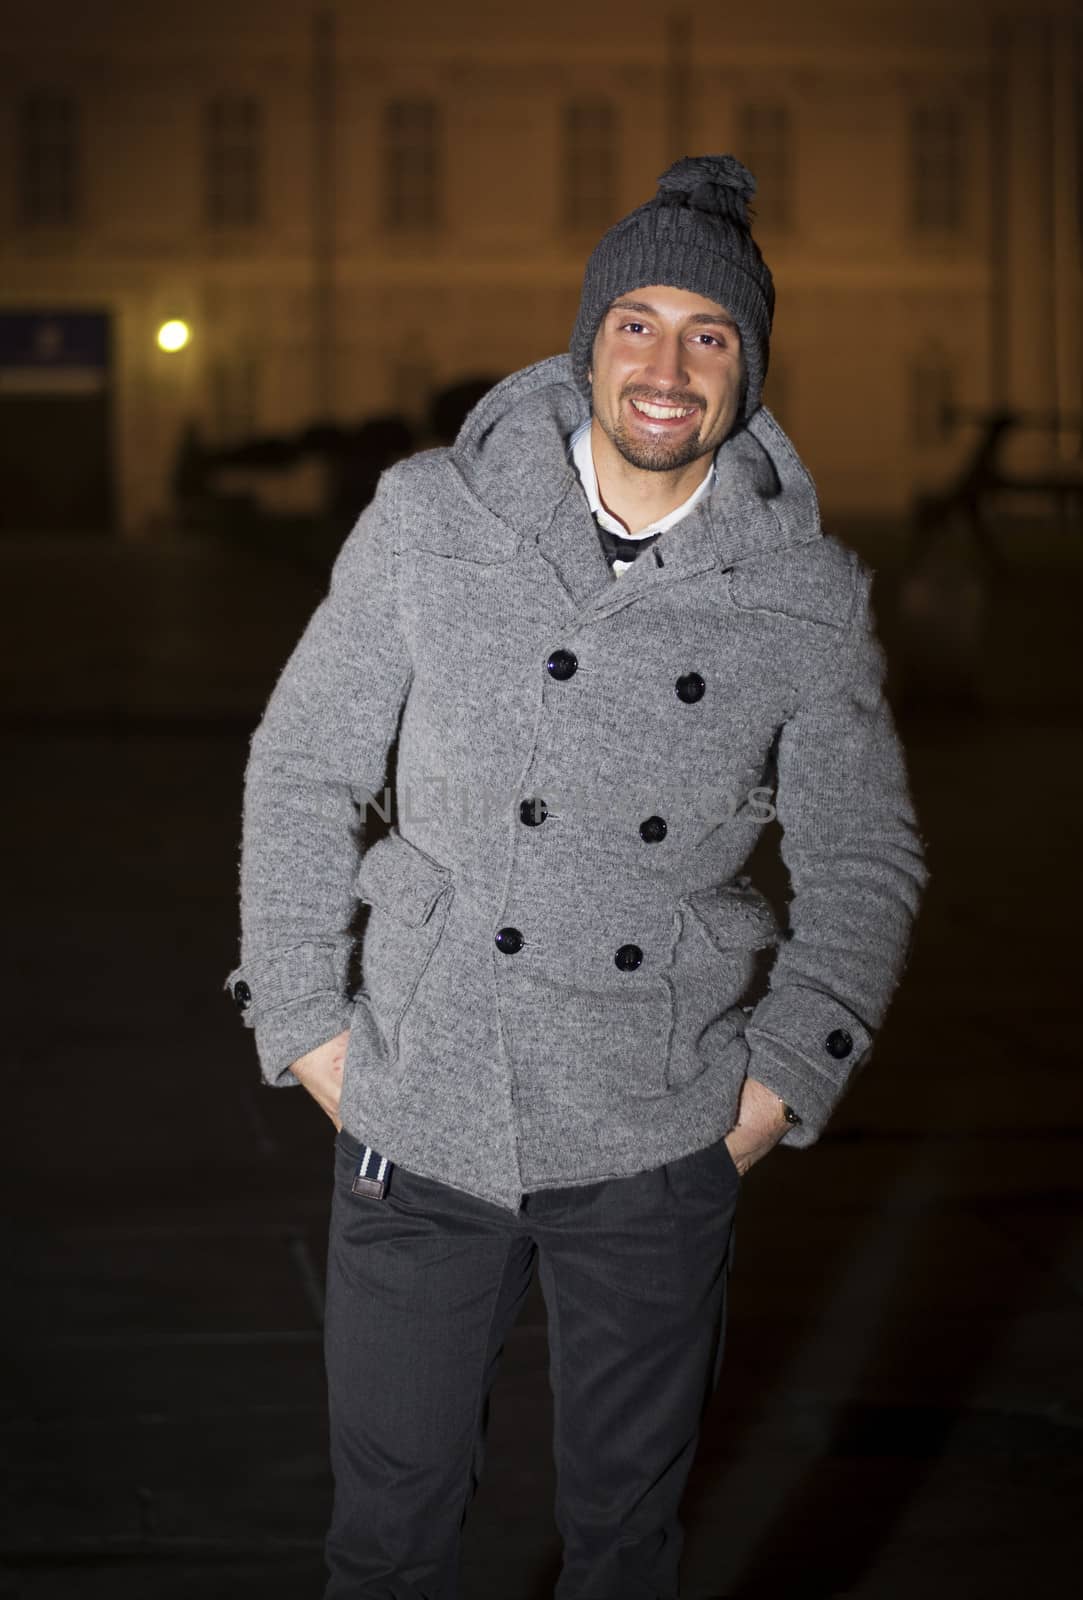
<point x="533" y="812"/>
<point x="629" y="957"/>
<point x="561" y="664"/>
<point x="510" y="940"/>
<point x="690" y="688"/>
<point x="653" y="831"/>
<point x="839" y="1044"/>
<point x="242" y="994"/>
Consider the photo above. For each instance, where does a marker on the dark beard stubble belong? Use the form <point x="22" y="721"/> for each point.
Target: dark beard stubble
<point x="659" y="456"/>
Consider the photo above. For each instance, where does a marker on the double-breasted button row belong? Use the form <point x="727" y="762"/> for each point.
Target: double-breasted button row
<point x="563" y="664"/>
<point x="534" y="811"/>
<point x="510" y="941"/>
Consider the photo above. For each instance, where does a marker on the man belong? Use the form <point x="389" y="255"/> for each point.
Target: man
<point x="611" y="640"/>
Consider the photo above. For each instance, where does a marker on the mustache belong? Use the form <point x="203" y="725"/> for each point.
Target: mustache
<point x="664" y="399"/>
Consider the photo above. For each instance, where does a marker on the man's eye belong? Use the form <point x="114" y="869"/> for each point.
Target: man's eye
<point x="633" y="327"/>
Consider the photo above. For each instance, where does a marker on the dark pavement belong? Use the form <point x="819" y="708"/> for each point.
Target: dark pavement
<point x="900" y="1406"/>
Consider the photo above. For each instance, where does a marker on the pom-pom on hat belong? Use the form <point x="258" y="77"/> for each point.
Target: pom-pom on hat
<point x="695" y="234"/>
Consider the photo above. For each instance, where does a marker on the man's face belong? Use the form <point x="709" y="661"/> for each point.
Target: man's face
<point x="666" y="376"/>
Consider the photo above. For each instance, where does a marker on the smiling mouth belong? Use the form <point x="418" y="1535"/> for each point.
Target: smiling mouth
<point x="656" y="413"/>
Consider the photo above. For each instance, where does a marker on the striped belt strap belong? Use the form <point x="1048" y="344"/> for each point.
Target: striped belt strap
<point x="372" y="1173"/>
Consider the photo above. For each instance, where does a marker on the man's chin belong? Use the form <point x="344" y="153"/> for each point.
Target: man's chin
<point x="660" y="456"/>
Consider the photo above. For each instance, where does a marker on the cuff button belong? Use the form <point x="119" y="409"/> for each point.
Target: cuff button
<point x="242" y="994"/>
<point x="838" y="1044"/>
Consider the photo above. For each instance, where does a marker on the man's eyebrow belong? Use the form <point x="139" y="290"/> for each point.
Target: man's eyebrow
<point x="721" y="318"/>
<point x="717" y="317"/>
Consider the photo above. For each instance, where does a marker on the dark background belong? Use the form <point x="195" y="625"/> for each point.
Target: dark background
<point x="900" y="1405"/>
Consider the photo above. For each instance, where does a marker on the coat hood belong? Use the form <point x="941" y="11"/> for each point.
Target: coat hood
<point x="512" y="456"/>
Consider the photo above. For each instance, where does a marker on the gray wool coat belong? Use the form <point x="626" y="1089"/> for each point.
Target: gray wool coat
<point x="552" y="991"/>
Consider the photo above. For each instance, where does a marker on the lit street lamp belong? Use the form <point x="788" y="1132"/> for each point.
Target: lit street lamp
<point x="173" y="335"/>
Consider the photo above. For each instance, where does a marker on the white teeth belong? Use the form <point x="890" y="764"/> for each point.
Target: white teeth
<point x="663" y="413"/>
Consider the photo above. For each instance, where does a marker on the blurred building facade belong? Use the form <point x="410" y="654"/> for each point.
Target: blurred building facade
<point x="352" y="206"/>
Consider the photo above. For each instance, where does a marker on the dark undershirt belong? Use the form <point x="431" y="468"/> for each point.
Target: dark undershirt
<point x="614" y="548"/>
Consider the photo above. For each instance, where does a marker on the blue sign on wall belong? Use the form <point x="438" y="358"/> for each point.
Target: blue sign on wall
<point x="53" y="350"/>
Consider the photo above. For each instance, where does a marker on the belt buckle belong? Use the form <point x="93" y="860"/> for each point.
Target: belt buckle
<point x="371" y="1174"/>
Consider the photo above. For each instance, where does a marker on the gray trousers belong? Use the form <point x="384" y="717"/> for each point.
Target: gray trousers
<point x="423" y="1287"/>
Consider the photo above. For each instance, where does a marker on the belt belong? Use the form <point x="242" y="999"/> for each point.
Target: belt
<point x="371" y="1174"/>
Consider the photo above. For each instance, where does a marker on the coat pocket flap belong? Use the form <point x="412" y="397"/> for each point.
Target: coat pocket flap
<point x="401" y="879"/>
<point x="736" y="916"/>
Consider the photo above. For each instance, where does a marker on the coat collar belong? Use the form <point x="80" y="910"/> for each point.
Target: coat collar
<point x="511" y="460"/>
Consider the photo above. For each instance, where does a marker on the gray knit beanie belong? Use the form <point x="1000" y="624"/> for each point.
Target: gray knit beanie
<point x="693" y="235"/>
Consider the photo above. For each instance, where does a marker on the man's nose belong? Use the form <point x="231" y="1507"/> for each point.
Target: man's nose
<point x="667" y="365"/>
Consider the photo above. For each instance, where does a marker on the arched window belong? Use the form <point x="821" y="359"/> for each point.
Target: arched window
<point x="234" y="161"/>
<point x="766" y="148"/>
<point x="590" y="173"/>
<point x="937" y="177"/>
<point x="49" y="164"/>
<point x="413" y="164"/>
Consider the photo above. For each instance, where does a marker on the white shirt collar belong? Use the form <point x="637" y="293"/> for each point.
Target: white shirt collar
<point x="583" y="460"/>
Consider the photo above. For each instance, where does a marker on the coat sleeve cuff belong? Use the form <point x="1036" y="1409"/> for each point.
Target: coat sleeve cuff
<point x="804" y="1045"/>
<point x="293" y="1001"/>
<point x="292" y="1031"/>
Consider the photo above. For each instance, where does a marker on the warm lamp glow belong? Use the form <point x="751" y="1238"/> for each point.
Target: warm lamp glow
<point x="173" y="335"/>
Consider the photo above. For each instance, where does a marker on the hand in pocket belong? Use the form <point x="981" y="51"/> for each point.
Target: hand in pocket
<point x="759" y="1127"/>
<point x="320" y="1072"/>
